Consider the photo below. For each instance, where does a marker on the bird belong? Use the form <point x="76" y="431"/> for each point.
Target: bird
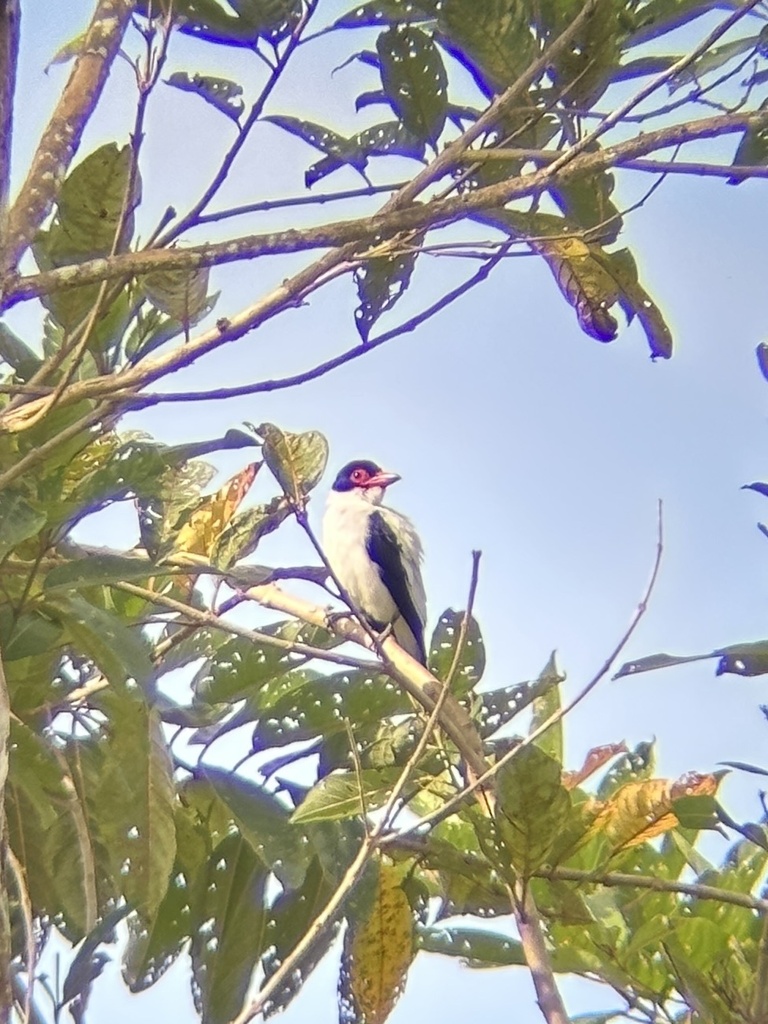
<point x="375" y="554"/>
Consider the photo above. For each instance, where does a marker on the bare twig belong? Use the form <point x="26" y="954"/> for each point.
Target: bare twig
<point x="428" y="820"/>
<point x="191" y="218"/>
<point x="142" y="401"/>
<point x="63" y="132"/>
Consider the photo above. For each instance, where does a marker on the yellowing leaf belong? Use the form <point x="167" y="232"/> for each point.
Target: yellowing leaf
<point x="202" y="529"/>
<point x="378" y="950"/>
<point x="639" y="811"/>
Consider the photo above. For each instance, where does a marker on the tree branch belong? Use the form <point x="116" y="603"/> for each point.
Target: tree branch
<point x="62" y="135"/>
<point x="381" y="226"/>
<point x="6" y="951"/>
<point x="10" y="16"/>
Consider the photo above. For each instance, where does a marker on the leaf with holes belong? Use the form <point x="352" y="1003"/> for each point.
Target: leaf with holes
<point x="290" y="916"/>
<point x="635" y="301"/>
<point x="320" y="707"/>
<point x="222" y="93"/>
<point x="381" y="281"/>
<point x="501" y="706"/>
<point x="391" y="138"/>
<point x="230" y="932"/>
<point x="133" y="800"/>
<point x="388" y="12"/>
<point x="476" y="947"/>
<point x="414" y="79"/>
<point x="378" y="950"/>
<point x="297" y="461"/>
<point x="329" y="142"/>
<point x="265" y="822"/>
<point x="443" y="649"/>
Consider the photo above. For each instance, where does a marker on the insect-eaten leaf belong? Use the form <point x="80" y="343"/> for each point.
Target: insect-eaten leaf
<point x="443" y="651"/>
<point x="380" y="283"/>
<point x="747" y="659"/>
<point x="222" y="93"/>
<point x="391" y="138"/>
<point x="378" y="950"/>
<point x="250" y="20"/>
<point x="297" y="461"/>
<point x="640" y="811"/>
<point x="414" y="79"/>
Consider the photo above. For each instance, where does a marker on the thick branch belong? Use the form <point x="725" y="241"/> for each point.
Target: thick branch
<point x="62" y="135"/>
<point x="10" y="15"/>
<point x="380" y="226"/>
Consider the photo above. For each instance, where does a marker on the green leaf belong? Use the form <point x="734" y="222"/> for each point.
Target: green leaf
<point x="18" y="521"/>
<point x="221" y="93"/>
<point x="297" y="461"/>
<point x="544" y="706"/>
<point x="134" y="801"/>
<point x="747" y="659"/>
<point x="241" y="536"/>
<point x="380" y="282"/>
<point x="242" y="668"/>
<point x="347" y="794"/>
<point x="501" y="706"/>
<point x="533" y="807"/>
<point x="289" y="918"/>
<point x="391" y="138"/>
<point x="85" y="225"/>
<point x="635" y="301"/>
<point x="17" y="354"/>
<point x="443" y="648"/>
<point x="89" y="961"/>
<point x="264" y="822"/>
<point x="752" y="150"/>
<point x="414" y="79"/>
<point x="319" y="708"/>
<point x="493" y="40"/>
<point x="98" y="568"/>
<point x="336" y="146"/>
<point x="231" y="932"/>
<point x="388" y="12"/>
<point x="475" y="946"/>
<point x="180" y="293"/>
<point x="27" y="634"/>
<point x="119" y="652"/>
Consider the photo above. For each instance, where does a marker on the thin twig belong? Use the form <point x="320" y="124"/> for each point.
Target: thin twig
<point x="256" y="636"/>
<point x="429" y="820"/>
<point x="10" y="16"/>
<point x="281" y="383"/>
<point x="191" y="217"/>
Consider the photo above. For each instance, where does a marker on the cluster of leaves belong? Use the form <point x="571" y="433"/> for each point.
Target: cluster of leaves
<point x="107" y="823"/>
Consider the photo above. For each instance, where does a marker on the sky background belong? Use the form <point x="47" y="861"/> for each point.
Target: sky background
<point x="513" y="431"/>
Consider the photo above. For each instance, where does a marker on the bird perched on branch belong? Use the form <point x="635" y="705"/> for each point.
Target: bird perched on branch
<point x="376" y="554"/>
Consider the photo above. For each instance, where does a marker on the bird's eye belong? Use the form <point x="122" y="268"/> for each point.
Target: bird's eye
<point x="359" y="476"/>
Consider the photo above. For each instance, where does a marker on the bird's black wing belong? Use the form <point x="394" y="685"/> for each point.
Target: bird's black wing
<point x="383" y="548"/>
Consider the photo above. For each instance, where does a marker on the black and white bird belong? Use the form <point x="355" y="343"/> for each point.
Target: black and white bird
<point x="376" y="554"/>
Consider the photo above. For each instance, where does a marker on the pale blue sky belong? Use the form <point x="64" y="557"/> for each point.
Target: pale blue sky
<point x="514" y="433"/>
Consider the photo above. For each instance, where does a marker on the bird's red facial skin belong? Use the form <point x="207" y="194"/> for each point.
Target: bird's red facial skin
<point x="360" y="477"/>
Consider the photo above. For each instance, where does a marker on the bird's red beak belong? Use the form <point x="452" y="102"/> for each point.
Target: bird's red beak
<point x="383" y="479"/>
